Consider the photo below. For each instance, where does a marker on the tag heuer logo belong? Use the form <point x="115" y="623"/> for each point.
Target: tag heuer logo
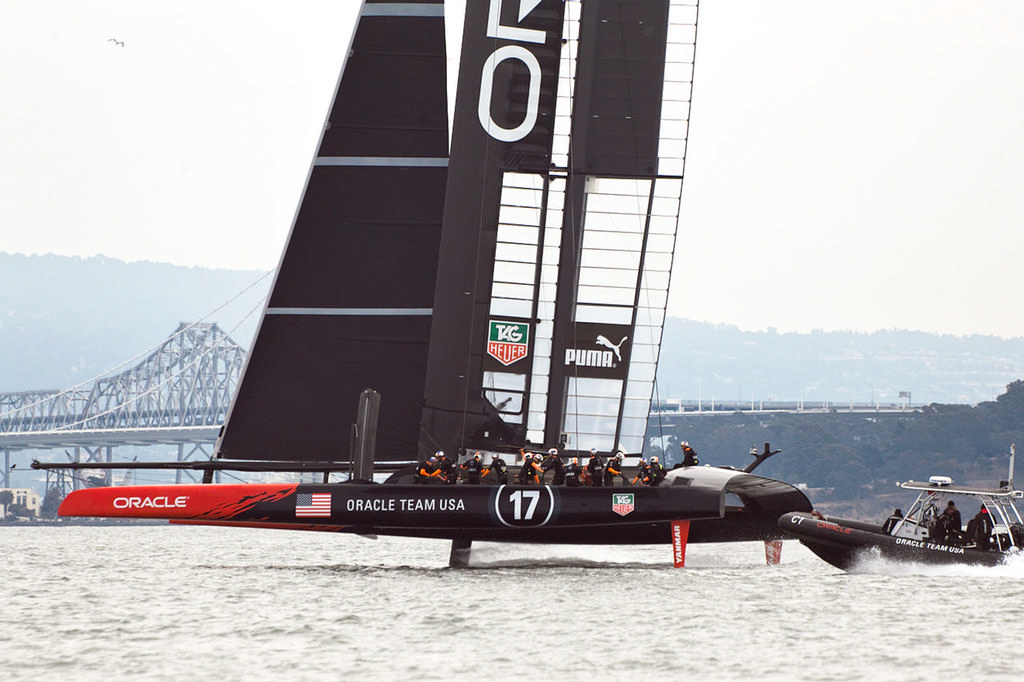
<point x="622" y="503"/>
<point x="508" y="342"/>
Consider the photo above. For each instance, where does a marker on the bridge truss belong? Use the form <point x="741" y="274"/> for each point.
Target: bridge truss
<point x="178" y="394"/>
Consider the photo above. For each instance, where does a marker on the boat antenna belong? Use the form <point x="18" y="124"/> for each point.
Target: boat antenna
<point x="1013" y="454"/>
<point x="760" y="457"/>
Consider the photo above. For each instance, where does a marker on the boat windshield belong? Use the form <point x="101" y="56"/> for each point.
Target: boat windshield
<point x="919" y="523"/>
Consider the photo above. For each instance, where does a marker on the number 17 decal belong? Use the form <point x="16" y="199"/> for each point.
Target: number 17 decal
<point x="520" y="507"/>
<point x="516" y="498"/>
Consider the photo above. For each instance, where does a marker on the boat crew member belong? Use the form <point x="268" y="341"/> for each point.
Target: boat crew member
<point x="473" y="468"/>
<point x="554" y="463"/>
<point x="594" y="468"/>
<point x="948" y="526"/>
<point x="572" y="473"/>
<point x="890" y="523"/>
<point x="613" y="469"/>
<point x="531" y="471"/>
<point x="979" y="529"/>
<point x="689" y="456"/>
<point x="643" y="473"/>
<point x="657" y="472"/>
<point x="427" y="471"/>
<point x="447" y="468"/>
<point x="498" y="468"/>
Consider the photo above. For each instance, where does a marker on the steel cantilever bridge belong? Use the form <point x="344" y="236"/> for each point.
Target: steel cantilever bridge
<point x="177" y="395"/>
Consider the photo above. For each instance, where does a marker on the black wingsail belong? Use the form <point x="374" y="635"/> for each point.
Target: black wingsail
<point x="350" y="307"/>
<point x="514" y="292"/>
<point x="560" y="219"/>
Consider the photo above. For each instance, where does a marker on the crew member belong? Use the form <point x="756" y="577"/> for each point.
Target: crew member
<point x="689" y="456"/>
<point x="979" y="529"/>
<point x="955" y="525"/>
<point x="891" y="522"/>
<point x="498" y="468"/>
<point x="427" y="471"/>
<point x="947" y="527"/>
<point x="531" y="471"/>
<point x="447" y="468"/>
<point x="554" y="463"/>
<point x="613" y="469"/>
<point x="643" y="473"/>
<point x="657" y="472"/>
<point x="595" y="465"/>
<point x="572" y="474"/>
<point x="472" y="468"/>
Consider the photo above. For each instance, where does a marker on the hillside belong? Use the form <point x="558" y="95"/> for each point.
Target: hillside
<point x="65" y="320"/>
<point x="852" y="461"/>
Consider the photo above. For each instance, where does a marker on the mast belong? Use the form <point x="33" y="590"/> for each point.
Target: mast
<point x="502" y="128"/>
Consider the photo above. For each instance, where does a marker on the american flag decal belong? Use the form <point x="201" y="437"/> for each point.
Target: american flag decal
<point x="312" y="504"/>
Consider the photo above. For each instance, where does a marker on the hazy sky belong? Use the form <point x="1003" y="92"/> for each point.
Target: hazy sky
<point x="853" y="164"/>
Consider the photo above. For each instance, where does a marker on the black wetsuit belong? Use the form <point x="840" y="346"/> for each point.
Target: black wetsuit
<point x="554" y="463"/>
<point x="890" y="523"/>
<point x="528" y="474"/>
<point x="425" y="471"/>
<point x="657" y="473"/>
<point x="499" y="469"/>
<point x="595" y="467"/>
<point x="690" y="457"/>
<point x="979" y="529"/>
<point x="611" y="470"/>
<point x="572" y="475"/>
<point x="447" y="467"/>
<point x="473" y="470"/>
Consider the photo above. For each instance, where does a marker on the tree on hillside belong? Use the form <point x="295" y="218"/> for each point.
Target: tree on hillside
<point x="52" y="500"/>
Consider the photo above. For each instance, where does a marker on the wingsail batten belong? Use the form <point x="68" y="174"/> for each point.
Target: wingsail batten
<point x="349" y="308"/>
<point x="402" y="9"/>
<point x="349" y="311"/>
<point x="403" y="161"/>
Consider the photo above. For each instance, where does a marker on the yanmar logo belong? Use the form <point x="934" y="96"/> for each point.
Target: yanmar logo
<point x="159" y="502"/>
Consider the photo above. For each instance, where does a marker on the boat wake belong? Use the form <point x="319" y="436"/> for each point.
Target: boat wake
<point x="870" y="562"/>
<point x="497" y="555"/>
<point x="728" y="555"/>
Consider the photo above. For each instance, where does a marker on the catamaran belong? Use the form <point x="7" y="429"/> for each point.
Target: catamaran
<point x="502" y="289"/>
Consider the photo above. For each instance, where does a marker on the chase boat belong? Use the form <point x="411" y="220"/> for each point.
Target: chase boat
<point x="917" y="536"/>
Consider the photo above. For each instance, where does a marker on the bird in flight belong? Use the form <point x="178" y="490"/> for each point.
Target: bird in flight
<point x="117" y="42"/>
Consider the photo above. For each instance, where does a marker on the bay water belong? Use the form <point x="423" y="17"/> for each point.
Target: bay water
<point x="201" y="603"/>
